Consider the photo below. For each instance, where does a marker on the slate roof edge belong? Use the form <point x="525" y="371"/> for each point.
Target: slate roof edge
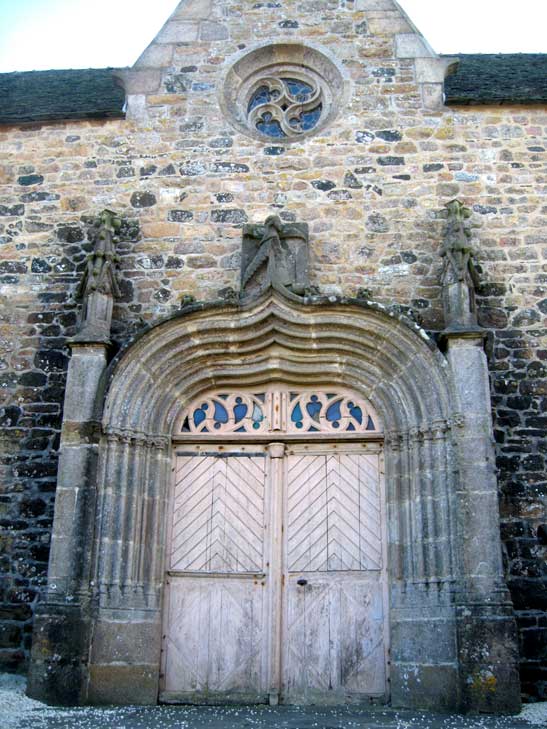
<point x="57" y="95"/>
<point x="495" y="79"/>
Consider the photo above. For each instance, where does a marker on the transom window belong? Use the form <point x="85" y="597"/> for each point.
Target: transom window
<point x="278" y="411"/>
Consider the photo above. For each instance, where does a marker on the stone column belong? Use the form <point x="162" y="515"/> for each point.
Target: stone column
<point x="60" y="640"/>
<point x="59" y="656"/>
<point x="487" y="641"/>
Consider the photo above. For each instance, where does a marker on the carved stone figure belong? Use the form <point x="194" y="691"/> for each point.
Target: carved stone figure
<point x="275" y="255"/>
<point x="99" y="285"/>
<point x="459" y="276"/>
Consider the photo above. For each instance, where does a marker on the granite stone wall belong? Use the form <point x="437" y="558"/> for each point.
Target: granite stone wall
<point x="371" y="186"/>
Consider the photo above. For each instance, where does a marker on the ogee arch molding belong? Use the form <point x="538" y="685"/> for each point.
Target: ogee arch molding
<point x="324" y="343"/>
<point x="390" y="361"/>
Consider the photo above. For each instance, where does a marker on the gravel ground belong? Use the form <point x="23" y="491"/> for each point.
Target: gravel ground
<point x="17" y="711"/>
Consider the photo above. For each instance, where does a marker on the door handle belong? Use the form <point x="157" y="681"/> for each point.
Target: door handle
<point x="301" y="582"/>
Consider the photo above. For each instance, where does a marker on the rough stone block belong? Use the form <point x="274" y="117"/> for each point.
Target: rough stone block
<point x="426" y="687"/>
<point x="176" y="31"/>
<point x="125" y="642"/>
<point x="210" y="30"/>
<point x="193" y="9"/>
<point x="423" y="641"/>
<point x="411" y="45"/>
<point x="119" y="685"/>
<point x="58" y="670"/>
<point x="155" y="56"/>
<point x="388" y="24"/>
<point x="375" y="5"/>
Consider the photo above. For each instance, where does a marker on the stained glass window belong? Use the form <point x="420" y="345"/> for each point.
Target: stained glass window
<point x="285" y="107"/>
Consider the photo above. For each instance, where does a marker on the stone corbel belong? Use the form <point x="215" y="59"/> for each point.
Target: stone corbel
<point x="431" y="69"/>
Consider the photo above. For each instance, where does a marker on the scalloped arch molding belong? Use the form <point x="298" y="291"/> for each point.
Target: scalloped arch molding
<point x="389" y="361"/>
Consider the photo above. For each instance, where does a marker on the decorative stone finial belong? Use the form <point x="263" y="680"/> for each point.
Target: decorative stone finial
<point x="275" y="255"/>
<point x="99" y="285"/>
<point x="459" y="276"/>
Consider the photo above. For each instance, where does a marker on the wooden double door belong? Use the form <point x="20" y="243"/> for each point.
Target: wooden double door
<point x="275" y="585"/>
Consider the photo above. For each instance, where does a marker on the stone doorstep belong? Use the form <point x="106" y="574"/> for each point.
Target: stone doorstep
<point x="38" y="716"/>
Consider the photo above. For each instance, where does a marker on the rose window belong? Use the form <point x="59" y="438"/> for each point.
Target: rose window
<point x="285" y="91"/>
<point x="285" y="107"/>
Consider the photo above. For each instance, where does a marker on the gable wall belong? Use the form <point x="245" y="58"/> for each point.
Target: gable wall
<point x="371" y="187"/>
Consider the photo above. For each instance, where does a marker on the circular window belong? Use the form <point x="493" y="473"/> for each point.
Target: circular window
<point x="283" y="91"/>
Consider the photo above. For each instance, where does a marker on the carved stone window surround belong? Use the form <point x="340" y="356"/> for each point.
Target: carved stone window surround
<point x="307" y="63"/>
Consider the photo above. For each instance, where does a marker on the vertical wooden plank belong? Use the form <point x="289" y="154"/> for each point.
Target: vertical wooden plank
<point x="215" y="630"/>
<point x="334" y="629"/>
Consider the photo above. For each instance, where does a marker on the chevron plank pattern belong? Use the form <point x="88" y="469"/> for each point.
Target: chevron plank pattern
<point x="218" y="514"/>
<point x="333" y="512"/>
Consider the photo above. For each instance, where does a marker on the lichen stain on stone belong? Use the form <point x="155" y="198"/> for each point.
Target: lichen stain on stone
<point x="483" y="683"/>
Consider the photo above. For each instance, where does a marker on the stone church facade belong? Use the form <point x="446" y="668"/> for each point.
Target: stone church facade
<point x="273" y="369"/>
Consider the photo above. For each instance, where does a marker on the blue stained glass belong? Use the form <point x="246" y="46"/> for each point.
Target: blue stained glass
<point x="240" y="411"/>
<point x="333" y="412"/>
<point x="240" y="430"/>
<point x="313" y="430"/>
<point x="261" y="396"/>
<point x="310" y="118"/>
<point x="221" y="414"/>
<point x="314" y="408"/>
<point x="270" y="127"/>
<point x="356" y="412"/>
<point x="351" y="426"/>
<point x="370" y="424"/>
<point x="298" y="89"/>
<point x="199" y="416"/>
<point x="296" y="415"/>
<point x="257" y="416"/>
<point x="260" y="96"/>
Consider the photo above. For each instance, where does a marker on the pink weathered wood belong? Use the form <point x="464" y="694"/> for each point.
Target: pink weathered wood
<point x="245" y="528"/>
<point x="217" y="597"/>
<point x="334" y="626"/>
